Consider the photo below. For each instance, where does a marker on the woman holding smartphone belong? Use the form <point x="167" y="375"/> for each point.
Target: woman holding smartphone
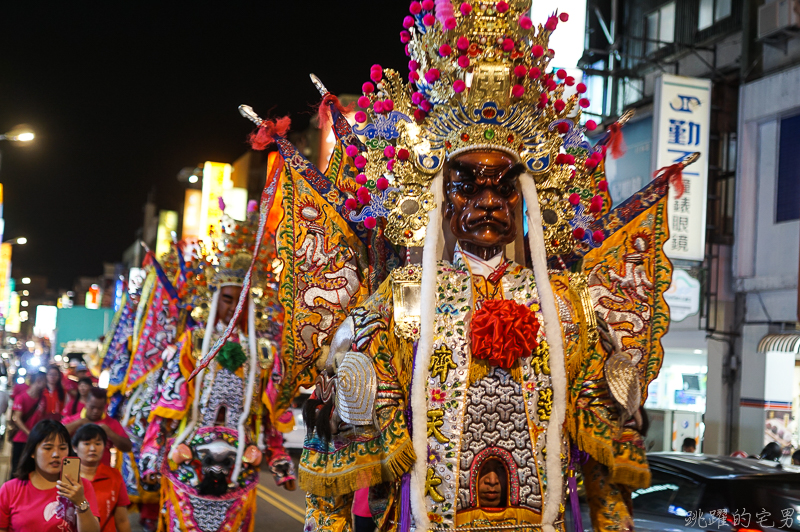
<point x="40" y="498"/>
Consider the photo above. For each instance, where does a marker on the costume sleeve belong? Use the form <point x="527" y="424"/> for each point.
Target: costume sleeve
<point x="380" y="449"/>
<point x="329" y="514"/>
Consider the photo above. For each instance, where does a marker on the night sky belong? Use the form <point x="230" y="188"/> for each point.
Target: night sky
<point x="122" y="95"/>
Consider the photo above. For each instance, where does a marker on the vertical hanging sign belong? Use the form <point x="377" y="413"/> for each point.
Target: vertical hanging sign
<point x="681" y="126"/>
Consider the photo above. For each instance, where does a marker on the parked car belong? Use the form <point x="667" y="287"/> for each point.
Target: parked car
<point x="697" y="491"/>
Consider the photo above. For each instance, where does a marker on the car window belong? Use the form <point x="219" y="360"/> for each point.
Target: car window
<point x="668" y="494"/>
<point x="767" y="503"/>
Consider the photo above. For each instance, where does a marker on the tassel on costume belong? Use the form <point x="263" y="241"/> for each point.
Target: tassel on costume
<point x="674" y="174"/>
<point x="324" y="110"/>
<point x="264" y="136"/>
<point x="616" y="141"/>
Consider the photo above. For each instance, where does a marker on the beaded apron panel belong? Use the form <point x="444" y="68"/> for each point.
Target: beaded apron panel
<point x="461" y="426"/>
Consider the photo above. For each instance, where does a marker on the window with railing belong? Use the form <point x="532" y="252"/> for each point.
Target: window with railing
<point x="660" y="27"/>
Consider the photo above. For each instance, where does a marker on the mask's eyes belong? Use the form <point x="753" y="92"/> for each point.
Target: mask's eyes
<point x="468" y="187"/>
<point x="505" y="189"/>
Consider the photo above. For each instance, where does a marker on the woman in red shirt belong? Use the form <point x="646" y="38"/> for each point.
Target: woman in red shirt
<point x="76" y="404"/>
<point x="54" y="394"/>
<point x="28" y="409"/>
<point x="112" y="497"/>
<point x="37" y="500"/>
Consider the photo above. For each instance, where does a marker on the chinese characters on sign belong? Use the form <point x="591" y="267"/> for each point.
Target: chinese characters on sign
<point x="680" y="128"/>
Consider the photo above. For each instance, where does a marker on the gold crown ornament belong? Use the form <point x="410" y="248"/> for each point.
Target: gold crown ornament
<point x="478" y="79"/>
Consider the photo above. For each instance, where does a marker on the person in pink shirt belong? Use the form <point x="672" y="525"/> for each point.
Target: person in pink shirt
<point x="37" y="499"/>
<point x="76" y="404"/>
<point x="95" y="412"/>
<point x="29" y="408"/>
<point x="363" y="517"/>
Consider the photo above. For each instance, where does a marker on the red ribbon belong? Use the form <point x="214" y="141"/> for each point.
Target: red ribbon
<point x="503" y="331"/>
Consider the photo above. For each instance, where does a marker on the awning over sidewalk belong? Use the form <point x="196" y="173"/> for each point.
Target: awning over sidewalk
<point x="785" y="343"/>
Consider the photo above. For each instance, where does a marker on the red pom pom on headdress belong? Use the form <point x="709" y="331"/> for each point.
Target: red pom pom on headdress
<point x="265" y="135"/>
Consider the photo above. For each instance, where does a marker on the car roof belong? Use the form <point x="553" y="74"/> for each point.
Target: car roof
<point x="711" y="466"/>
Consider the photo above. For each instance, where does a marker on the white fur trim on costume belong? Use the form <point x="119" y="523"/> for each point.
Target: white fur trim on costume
<point x="251" y="380"/>
<point x="431" y="253"/>
<point x="552" y="327"/>
<point x="210" y="327"/>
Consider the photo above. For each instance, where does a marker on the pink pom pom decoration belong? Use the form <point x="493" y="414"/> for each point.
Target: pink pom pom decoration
<point x="378" y="106"/>
<point x="583" y="102"/>
<point x="388" y="152"/>
<point x="415" y="8"/>
<point x="382" y="183"/>
<point x="596" y="204"/>
<point x="465" y="8"/>
<point x="364" y="102"/>
<point x="376" y="75"/>
<point x="574" y="198"/>
<point x="370" y="222"/>
<point x="551" y="85"/>
<point x="445" y="50"/>
<point x="563" y="127"/>
<point x="564" y="17"/>
<point x="427" y="5"/>
<point x="517" y="91"/>
<point x="579" y="233"/>
<point x="428" y="19"/>
<point x="368" y="88"/>
<point x="413" y="77"/>
<point x="450" y="23"/>
<point x="432" y="75"/>
<point x="561" y="73"/>
<point x="602" y="185"/>
<point x="403" y="154"/>
<point x="534" y="72"/>
<point x="559" y="105"/>
<point x="508" y="45"/>
<point x="463" y="61"/>
<point x="404" y="37"/>
<point x="502" y="6"/>
<point x="419" y="115"/>
<point x="570" y="81"/>
<point x="376" y="68"/>
<point x="390" y="165"/>
<point x="462" y="43"/>
<point x="459" y="86"/>
<point x="520" y="71"/>
<point x="591" y="125"/>
<point x="361" y="179"/>
<point x="426" y="106"/>
<point x="408" y="22"/>
<point x="416" y="98"/>
<point x="537" y="50"/>
<point x="525" y="22"/>
<point x="413" y="65"/>
<point x="361" y="117"/>
<point x="598" y="236"/>
<point x="551" y="24"/>
<point x="388" y="106"/>
<point x="351" y="203"/>
<point x="360" y="162"/>
<point x="581" y="88"/>
<point x="351" y="151"/>
<point x="363" y="195"/>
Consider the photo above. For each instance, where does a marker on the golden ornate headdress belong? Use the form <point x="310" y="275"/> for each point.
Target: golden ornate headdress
<point x="478" y="79"/>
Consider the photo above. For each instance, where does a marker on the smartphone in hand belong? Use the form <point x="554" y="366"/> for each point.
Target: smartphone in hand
<point x="71" y="468"/>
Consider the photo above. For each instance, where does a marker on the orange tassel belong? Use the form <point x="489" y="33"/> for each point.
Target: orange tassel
<point x="324" y="111"/>
<point x="264" y="136"/>
<point x="674" y="174"/>
<point x="616" y="142"/>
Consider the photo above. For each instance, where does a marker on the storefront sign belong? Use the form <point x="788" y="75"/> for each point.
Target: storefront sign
<point x="683" y="295"/>
<point x="191" y="215"/>
<point x="216" y="179"/>
<point x="167" y="224"/>
<point x="5" y="277"/>
<point x="680" y="128"/>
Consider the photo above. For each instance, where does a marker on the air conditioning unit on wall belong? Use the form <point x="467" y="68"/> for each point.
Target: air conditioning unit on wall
<point x="779" y="19"/>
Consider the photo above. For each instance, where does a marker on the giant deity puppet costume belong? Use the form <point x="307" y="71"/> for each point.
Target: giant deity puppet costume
<point x="464" y="391"/>
<point x="209" y="473"/>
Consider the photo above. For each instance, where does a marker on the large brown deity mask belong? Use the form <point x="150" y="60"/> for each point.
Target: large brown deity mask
<point x="481" y="190"/>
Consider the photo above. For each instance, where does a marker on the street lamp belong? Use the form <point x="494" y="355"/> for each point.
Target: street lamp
<point x="19" y="134"/>
<point x="21" y="240"/>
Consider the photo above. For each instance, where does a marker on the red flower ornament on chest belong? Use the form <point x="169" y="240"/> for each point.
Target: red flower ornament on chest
<point x="503" y="331"/>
